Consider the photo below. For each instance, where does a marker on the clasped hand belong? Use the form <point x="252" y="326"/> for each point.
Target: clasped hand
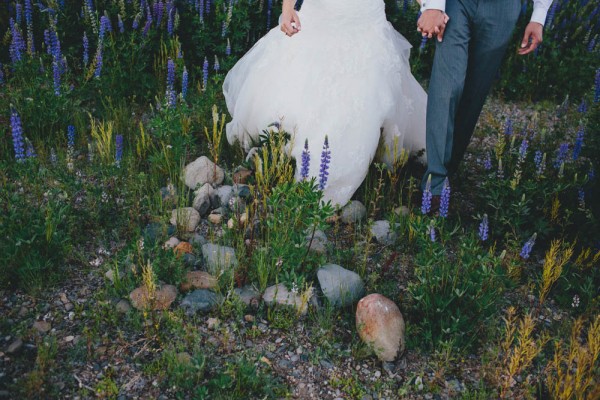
<point x="290" y="22"/>
<point x="433" y="23"/>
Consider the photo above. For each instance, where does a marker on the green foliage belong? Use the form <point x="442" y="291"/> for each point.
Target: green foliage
<point x="454" y="293"/>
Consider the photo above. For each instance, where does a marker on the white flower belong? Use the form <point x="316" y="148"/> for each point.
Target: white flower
<point x="575" y="302"/>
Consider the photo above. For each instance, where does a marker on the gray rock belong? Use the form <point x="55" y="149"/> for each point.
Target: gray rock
<point x="237" y="204"/>
<point x="197" y="240"/>
<point x="241" y="190"/>
<point x="204" y="199"/>
<point x="123" y="306"/>
<point x="190" y="260"/>
<point x="110" y="275"/>
<point x="224" y="193"/>
<point x="248" y="295"/>
<point x="171" y="243"/>
<point x="319" y="242"/>
<point x="381" y="231"/>
<point x="353" y="212"/>
<point x="279" y="294"/>
<point x="187" y="217"/>
<point x="402" y="211"/>
<point x="202" y="171"/>
<point x="15" y="346"/>
<point x="219" y="258"/>
<point x="340" y="286"/>
<point x="155" y="230"/>
<point x="200" y="300"/>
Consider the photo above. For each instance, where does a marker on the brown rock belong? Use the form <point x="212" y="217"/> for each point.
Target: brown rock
<point x="42" y="326"/>
<point x="162" y="299"/>
<point x="380" y="324"/>
<point x="215" y="219"/>
<point x="242" y="176"/>
<point x="183" y="248"/>
<point x="198" y="280"/>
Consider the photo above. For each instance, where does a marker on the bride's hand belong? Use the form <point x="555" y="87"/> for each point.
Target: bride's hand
<point x="290" y="22"/>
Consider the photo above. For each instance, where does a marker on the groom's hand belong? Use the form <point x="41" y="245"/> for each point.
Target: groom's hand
<point x="532" y="38"/>
<point x="432" y="23"/>
<point x="290" y="22"/>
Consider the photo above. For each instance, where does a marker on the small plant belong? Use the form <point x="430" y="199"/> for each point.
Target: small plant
<point x="553" y="266"/>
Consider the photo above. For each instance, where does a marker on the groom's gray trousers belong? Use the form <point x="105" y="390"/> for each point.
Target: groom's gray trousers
<point x="465" y="65"/>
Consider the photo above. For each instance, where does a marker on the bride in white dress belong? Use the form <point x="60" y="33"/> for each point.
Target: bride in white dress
<point x="344" y="74"/>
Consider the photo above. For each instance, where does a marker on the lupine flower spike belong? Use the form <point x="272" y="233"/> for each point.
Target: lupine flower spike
<point x="484" y="228"/>
<point x="427" y="195"/>
<point x="305" y="161"/>
<point x="325" y="161"/>
<point x="119" y="150"/>
<point x="445" y="199"/>
<point x="528" y="246"/>
<point x="184" y="83"/>
<point x="17" y="136"/>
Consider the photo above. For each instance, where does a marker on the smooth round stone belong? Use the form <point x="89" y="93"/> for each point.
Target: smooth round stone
<point x="380" y="324"/>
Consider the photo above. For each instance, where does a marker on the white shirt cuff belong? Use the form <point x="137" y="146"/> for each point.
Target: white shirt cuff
<point x="433" y="5"/>
<point x="539" y="15"/>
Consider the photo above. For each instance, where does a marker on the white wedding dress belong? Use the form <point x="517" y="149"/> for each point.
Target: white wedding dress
<point x="346" y="75"/>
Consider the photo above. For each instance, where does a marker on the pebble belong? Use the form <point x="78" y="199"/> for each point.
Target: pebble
<point x="42" y="326"/>
<point x="15" y="346"/>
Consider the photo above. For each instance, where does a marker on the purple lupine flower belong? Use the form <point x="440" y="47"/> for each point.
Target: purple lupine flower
<point x="1" y="75"/>
<point x="29" y="21"/>
<point x="582" y="107"/>
<point x="17" y="46"/>
<point x="487" y="162"/>
<point x="269" y="10"/>
<point x="484" y="228"/>
<point x="561" y="155"/>
<point x="105" y="26"/>
<point x="508" y="128"/>
<point x="523" y="149"/>
<point x="86" y="49"/>
<point x="325" y="161"/>
<point x="551" y="12"/>
<point x="120" y="23"/>
<point x="427" y="195"/>
<point x="29" y="150"/>
<point x="581" y="198"/>
<point x="597" y="84"/>
<point x="305" y="161"/>
<point x="578" y="144"/>
<point x="217" y="66"/>
<point x="592" y="44"/>
<point x="17" y="135"/>
<point x="537" y="159"/>
<point x="71" y="138"/>
<point x="431" y="232"/>
<point x="228" y="48"/>
<point x="184" y="83"/>
<point x="136" y="22"/>
<point x="56" y="77"/>
<point x="528" y="246"/>
<point x="118" y="149"/>
<point x="170" y="28"/>
<point x="147" y="27"/>
<point x="205" y="73"/>
<point x="48" y="41"/>
<point x="98" y="70"/>
<point x="445" y="199"/>
<point x="18" y="13"/>
<point x="159" y="9"/>
<point x="207" y="7"/>
<point x="171" y="99"/>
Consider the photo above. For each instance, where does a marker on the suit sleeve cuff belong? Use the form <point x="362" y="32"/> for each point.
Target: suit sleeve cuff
<point x="539" y="15"/>
<point x="433" y="5"/>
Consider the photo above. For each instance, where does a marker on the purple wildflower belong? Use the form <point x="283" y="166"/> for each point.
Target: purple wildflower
<point x="597" y="84"/>
<point x="423" y="43"/>
<point x="205" y="73"/>
<point x="71" y="138"/>
<point x="528" y="246"/>
<point x="18" y="13"/>
<point x="269" y="11"/>
<point x="484" y="228"/>
<point x="56" y="77"/>
<point x="159" y="9"/>
<point x="325" y="161"/>
<point x="217" y="66"/>
<point x="171" y="100"/>
<point x="48" y="41"/>
<point x="427" y="195"/>
<point x="582" y="107"/>
<point x="136" y="22"/>
<point x="305" y="161"/>
<point x="508" y="128"/>
<point x="105" y="26"/>
<point x="523" y="149"/>
<point x="431" y="232"/>
<point x="184" y="83"/>
<point x="147" y="27"/>
<point x="445" y="199"/>
<point x="119" y="149"/>
<point x="228" y="48"/>
<point x="207" y="7"/>
<point x="17" y="46"/>
<point x="562" y="155"/>
<point x="170" y="22"/>
<point x="86" y="49"/>
<point x="17" y="135"/>
<point x="578" y="144"/>
<point x="487" y="162"/>
<point x="537" y="159"/>
<point x="29" y="21"/>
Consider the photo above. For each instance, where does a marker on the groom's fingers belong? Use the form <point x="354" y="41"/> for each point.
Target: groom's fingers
<point x="440" y="35"/>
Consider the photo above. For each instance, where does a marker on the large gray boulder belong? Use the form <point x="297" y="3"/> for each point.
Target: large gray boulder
<point x="339" y="285"/>
<point x="202" y="171"/>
